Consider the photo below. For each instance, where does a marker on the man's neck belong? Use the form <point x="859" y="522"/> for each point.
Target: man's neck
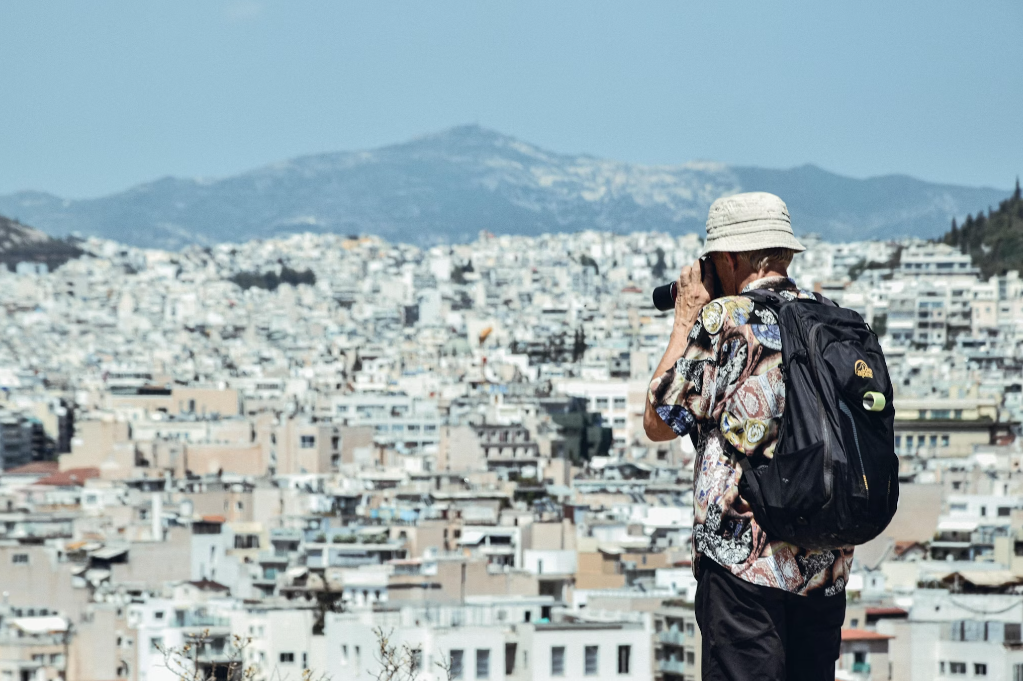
<point x="762" y="274"/>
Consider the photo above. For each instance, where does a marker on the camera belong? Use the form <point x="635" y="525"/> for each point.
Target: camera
<point x="664" y="296"/>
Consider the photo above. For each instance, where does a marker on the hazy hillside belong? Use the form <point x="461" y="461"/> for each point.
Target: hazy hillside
<point x="994" y="239"/>
<point x="449" y="186"/>
<point x="20" y="243"/>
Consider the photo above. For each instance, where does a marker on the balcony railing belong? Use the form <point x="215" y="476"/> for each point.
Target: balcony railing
<point x="672" y="666"/>
<point x="671" y="637"/>
<point x="191" y="620"/>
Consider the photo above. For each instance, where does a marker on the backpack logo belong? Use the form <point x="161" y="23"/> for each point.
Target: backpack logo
<point x="862" y="370"/>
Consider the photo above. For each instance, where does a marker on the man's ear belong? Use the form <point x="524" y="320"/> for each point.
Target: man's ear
<point x="733" y="260"/>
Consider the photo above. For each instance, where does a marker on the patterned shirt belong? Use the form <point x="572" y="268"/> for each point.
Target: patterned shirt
<point x="727" y="391"/>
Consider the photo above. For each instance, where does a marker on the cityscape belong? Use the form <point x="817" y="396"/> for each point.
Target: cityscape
<point x="319" y="456"/>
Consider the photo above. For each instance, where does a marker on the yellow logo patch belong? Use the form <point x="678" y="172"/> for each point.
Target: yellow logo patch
<point x="862" y="370"/>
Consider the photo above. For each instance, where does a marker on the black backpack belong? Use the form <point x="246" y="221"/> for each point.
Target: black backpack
<point x="834" y="477"/>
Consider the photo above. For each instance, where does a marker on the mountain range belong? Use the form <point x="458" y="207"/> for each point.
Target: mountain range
<point x="448" y="186"/>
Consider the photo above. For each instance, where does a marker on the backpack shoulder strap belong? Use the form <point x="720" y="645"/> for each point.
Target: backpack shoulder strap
<point x="775" y="301"/>
<point x="824" y="301"/>
<point x="766" y="297"/>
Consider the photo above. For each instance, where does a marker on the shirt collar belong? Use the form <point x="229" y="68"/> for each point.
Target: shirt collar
<point x="773" y="283"/>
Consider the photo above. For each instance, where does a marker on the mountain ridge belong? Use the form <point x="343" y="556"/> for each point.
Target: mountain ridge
<point x="448" y="186"/>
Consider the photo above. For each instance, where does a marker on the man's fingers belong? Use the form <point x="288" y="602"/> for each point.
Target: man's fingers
<point x="696" y="272"/>
<point x="708" y="276"/>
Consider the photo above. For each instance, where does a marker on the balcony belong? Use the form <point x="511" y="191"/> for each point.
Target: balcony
<point x="188" y="620"/>
<point x="672" y="637"/>
<point x="670" y="666"/>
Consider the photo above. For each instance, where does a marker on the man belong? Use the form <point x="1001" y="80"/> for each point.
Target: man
<point x="766" y="609"/>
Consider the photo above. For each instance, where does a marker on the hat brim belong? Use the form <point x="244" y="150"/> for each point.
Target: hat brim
<point x="753" y="237"/>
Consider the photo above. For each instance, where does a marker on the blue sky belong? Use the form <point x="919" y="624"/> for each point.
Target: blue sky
<point x="100" y="95"/>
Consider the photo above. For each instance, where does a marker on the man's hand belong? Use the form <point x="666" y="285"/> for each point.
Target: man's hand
<point x="692" y="293"/>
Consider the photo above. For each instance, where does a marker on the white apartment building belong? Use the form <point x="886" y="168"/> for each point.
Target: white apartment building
<point x="399" y="421"/>
<point x="611" y="399"/>
<point x="279" y="644"/>
<point x="955" y="637"/>
<point x="501" y="640"/>
<point x="163" y="626"/>
<point x="935" y="260"/>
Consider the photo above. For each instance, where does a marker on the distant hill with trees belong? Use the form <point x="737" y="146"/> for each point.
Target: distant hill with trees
<point x="995" y="239"/>
<point x="21" y="243"/>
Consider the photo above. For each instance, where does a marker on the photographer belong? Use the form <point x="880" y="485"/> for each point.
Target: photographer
<point x="767" y="609"/>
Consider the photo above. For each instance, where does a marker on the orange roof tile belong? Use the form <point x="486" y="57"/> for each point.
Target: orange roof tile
<point x="35" y="468"/>
<point x="73" y="477"/>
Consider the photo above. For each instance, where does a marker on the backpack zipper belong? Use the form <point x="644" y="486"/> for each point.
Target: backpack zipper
<point x="856" y="440"/>
<point x="825" y="424"/>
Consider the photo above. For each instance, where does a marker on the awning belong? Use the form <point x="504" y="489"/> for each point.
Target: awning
<point x="109" y="553"/>
<point x="471" y="538"/>
<point x="957" y="525"/>
<point x="40" y="625"/>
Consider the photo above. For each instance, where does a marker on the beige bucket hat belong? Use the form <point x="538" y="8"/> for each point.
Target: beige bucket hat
<point x="749" y="222"/>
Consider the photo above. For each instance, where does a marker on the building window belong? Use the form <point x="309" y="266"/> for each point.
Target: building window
<point x="483" y="663"/>
<point x="944" y="440"/>
<point x="1004" y="511"/>
<point x="558" y="661"/>
<point x="1017" y="672"/>
<point x="156" y="644"/>
<point x="934" y="440"/>
<point x="898" y="442"/>
<point x="308" y="441"/>
<point x="590" y="661"/>
<point x="957" y="668"/>
<point x="246" y="541"/>
<point x="20" y="559"/>
<point x="456" y="664"/>
<point x="979" y="669"/>
<point x="287" y="658"/>
<point x="600" y="403"/>
<point x="620" y="403"/>
<point x="624" y="655"/>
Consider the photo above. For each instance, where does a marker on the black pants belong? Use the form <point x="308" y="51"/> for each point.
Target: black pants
<point x="757" y="632"/>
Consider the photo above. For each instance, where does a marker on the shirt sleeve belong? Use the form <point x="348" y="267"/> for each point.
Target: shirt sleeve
<point x="686" y="394"/>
